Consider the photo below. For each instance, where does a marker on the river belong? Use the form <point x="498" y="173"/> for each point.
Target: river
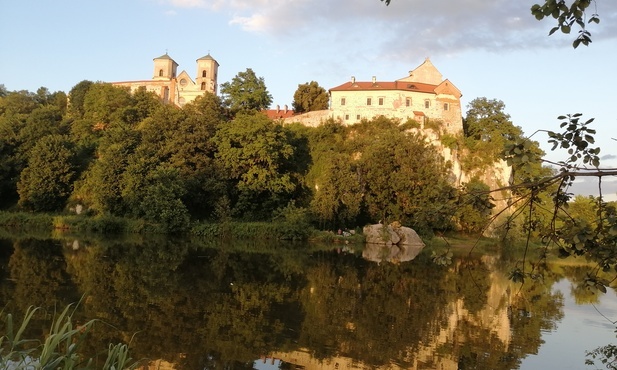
<point x="245" y="305"/>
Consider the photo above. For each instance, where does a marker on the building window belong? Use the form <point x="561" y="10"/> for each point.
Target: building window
<point x="203" y="85"/>
<point x="342" y="101"/>
<point x="181" y="101"/>
<point x="347" y="117"/>
<point x="357" y="116"/>
<point x="204" y="74"/>
<point x="380" y="101"/>
<point x="160" y="73"/>
<point x="446" y="106"/>
<point x="368" y="101"/>
<point x="408" y="102"/>
<point x="183" y="82"/>
<point x="166" y="94"/>
<point x="427" y="104"/>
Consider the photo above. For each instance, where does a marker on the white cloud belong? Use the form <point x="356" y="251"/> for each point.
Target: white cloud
<point x="187" y="3"/>
<point x="407" y="28"/>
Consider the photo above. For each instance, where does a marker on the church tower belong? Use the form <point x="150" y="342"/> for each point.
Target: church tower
<point x="207" y="73"/>
<point x="164" y="68"/>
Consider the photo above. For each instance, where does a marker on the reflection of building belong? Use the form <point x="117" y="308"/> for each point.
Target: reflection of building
<point x="421" y="95"/>
<point x="176" y="88"/>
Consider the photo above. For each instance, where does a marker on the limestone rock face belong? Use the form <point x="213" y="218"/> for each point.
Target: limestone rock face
<point x="394" y="244"/>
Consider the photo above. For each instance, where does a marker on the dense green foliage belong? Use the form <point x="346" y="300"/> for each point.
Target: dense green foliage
<point x="116" y="154"/>
<point x="246" y="93"/>
<point x="310" y="97"/>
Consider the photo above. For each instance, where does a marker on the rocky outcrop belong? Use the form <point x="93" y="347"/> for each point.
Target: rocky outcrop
<point x="392" y="243"/>
<point x="376" y="234"/>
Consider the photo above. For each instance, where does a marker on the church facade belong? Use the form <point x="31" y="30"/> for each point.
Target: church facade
<point x="174" y="88"/>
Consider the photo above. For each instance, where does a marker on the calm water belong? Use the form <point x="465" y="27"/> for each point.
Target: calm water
<point x="195" y="305"/>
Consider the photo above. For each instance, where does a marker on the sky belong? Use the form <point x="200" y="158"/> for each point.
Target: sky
<point x="494" y="49"/>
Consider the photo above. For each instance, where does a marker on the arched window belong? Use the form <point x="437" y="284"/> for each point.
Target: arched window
<point x="204" y="73"/>
<point x="427" y="104"/>
<point x="160" y="73"/>
<point x="203" y="85"/>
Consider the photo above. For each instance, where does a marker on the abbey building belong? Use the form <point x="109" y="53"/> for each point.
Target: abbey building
<point x="422" y="96"/>
<point x="175" y="88"/>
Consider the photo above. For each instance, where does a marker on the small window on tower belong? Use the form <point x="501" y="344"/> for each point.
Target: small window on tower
<point x="203" y="85"/>
<point x="446" y="106"/>
<point x="204" y="74"/>
<point x="427" y="104"/>
<point x="408" y="102"/>
<point x="160" y="73"/>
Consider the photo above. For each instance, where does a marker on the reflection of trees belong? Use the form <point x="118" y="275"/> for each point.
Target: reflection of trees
<point x="6" y="290"/>
<point x="580" y="291"/>
<point x="37" y="269"/>
<point x="224" y="307"/>
<point x="36" y="277"/>
<point x="534" y="310"/>
<point x="371" y="313"/>
<point x="214" y="307"/>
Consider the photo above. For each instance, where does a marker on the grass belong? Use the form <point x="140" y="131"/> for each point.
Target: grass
<point x="60" y="349"/>
<point x="15" y="221"/>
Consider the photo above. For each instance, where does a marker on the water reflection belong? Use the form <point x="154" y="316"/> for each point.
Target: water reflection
<point x="189" y="305"/>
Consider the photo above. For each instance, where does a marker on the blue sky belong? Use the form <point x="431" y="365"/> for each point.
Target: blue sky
<point x="492" y="49"/>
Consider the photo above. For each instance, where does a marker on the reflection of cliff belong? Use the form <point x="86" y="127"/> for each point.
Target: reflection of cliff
<point x="456" y="333"/>
<point x="487" y="329"/>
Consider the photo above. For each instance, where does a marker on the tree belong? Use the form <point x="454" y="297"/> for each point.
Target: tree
<point x="245" y="93"/>
<point x="100" y="188"/>
<point x="310" y="97"/>
<point x="257" y="157"/>
<point x="105" y="103"/>
<point x="182" y="139"/>
<point x="46" y="183"/>
<point x="404" y="178"/>
<point x="77" y="97"/>
<point x="489" y="127"/>
<point x="23" y="121"/>
<point x="474" y="210"/>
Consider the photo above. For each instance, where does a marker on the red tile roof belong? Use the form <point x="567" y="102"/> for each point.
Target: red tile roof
<point x="396" y="85"/>
<point x="278" y="113"/>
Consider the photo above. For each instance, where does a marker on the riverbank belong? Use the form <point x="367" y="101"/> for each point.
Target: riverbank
<point x="276" y="230"/>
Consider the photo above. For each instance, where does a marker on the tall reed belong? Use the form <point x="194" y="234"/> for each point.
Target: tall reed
<point x="60" y="349"/>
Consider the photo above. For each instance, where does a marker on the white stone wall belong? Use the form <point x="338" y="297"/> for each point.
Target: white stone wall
<point x="394" y="105"/>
